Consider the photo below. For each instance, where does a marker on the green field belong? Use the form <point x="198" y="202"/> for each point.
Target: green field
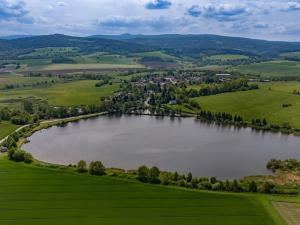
<point x="34" y="195"/>
<point x="62" y="94"/>
<point x="6" y="128"/>
<point x="15" y="79"/>
<point x="105" y="58"/>
<point x="262" y="103"/>
<point x="227" y="57"/>
<point x="272" y="68"/>
<point x="157" y="54"/>
<point x="294" y="55"/>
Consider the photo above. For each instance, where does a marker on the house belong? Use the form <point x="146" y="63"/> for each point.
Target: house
<point x="173" y="102"/>
<point x="3" y="149"/>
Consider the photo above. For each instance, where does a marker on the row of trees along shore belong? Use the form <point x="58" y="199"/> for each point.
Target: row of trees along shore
<point x="154" y="176"/>
<point x="228" y="119"/>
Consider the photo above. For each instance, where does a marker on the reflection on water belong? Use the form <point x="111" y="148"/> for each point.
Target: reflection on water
<point x="173" y="144"/>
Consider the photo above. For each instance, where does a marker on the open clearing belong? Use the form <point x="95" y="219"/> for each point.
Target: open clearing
<point x="33" y="195"/>
<point x="272" y="68"/>
<point x="289" y="211"/>
<point x="263" y="103"/>
<point x="62" y="94"/>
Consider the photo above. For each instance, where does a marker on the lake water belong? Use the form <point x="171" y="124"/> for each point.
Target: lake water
<point x="182" y="145"/>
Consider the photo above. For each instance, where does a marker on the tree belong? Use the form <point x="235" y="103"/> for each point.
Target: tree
<point x="175" y="176"/>
<point x="28" y="158"/>
<point x="213" y="180"/>
<point x="189" y="177"/>
<point x="143" y="173"/>
<point x="253" y="187"/>
<point x="81" y="166"/>
<point x="268" y="187"/>
<point x="96" y="168"/>
<point x="154" y="175"/>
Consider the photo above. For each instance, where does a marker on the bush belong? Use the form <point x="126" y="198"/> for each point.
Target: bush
<point x="154" y="175"/>
<point x="96" y="168"/>
<point x="143" y="173"/>
<point x="81" y="166"/>
<point x="28" y="158"/>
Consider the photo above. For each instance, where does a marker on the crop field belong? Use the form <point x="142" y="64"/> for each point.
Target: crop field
<point x="6" y="128"/>
<point x="289" y="211"/>
<point x="272" y="68"/>
<point x="263" y="103"/>
<point x="62" y="94"/>
<point x="227" y="57"/>
<point x="36" y="195"/>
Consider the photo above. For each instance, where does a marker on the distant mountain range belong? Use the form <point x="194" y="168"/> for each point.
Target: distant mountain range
<point x="178" y="45"/>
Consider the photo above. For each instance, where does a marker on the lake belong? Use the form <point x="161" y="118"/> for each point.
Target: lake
<point x="178" y="144"/>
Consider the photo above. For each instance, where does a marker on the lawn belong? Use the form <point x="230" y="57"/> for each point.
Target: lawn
<point x="157" y="54"/>
<point x="36" y="195"/>
<point x="6" y="128"/>
<point x="272" y="68"/>
<point x="62" y="94"/>
<point x="263" y="103"/>
<point x="228" y="57"/>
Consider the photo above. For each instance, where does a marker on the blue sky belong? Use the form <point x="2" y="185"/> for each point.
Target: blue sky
<point x="264" y="19"/>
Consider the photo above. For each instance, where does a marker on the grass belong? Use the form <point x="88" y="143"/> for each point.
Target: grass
<point x="227" y="57"/>
<point x="20" y="80"/>
<point x="272" y="68"/>
<point x="263" y="103"/>
<point x="6" y="128"/>
<point x="85" y="66"/>
<point x="37" y="195"/>
<point x="105" y="58"/>
<point x="157" y="54"/>
<point x="62" y="94"/>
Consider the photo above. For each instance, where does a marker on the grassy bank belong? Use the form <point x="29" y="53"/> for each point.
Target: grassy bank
<point x="34" y="195"/>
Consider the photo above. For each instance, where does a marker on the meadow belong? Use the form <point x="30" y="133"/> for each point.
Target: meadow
<point x="39" y="195"/>
<point x="263" y="103"/>
<point x="62" y="94"/>
<point x="271" y="68"/>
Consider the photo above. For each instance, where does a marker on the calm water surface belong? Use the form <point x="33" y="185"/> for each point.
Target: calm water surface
<point x="181" y="145"/>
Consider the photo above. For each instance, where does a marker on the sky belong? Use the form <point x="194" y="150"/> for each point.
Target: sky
<point x="262" y="19"/>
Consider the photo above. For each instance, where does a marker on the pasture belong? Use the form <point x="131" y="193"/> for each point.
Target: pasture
<point x="63" y="94"/>
<point x="38" y="195"/>
<point x="267" y="102"/>
<point x="271" y="68"/>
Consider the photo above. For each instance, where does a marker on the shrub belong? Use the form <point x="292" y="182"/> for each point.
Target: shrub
<point x="97" y="168"/>
<point x="81" y="166"/>
<point x="143" y="173"/>
<point x="154" y="175"/>
<point x="28" y="158"/>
